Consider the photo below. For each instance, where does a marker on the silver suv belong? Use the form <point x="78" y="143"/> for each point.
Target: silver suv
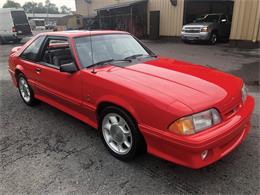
<point x="209" y="27"/>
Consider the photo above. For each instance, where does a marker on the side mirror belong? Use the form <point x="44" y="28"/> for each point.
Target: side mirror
<point x="69" y="68"/>
<point x="223" y="20"/>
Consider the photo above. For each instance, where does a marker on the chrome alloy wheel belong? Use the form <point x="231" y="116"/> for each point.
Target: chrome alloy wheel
<point x="214" y="39"/>
<point x="24" y="89"/>
<point x="117" y="133"/>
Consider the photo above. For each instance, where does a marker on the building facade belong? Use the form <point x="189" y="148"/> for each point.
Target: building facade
<point x="170" y="15"/>
<point x="49" y="18"/>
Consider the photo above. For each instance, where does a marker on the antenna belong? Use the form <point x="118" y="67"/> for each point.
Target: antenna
<point x="92" y="54"/>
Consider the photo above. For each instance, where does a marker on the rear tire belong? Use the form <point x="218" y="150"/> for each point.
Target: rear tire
<point x="26" y="91"/>
<point x="120" y="133"/>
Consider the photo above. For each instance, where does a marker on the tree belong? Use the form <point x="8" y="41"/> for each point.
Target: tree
<point x="29" y="7"/>
<point x="65" y="10"/>
<point x="48" y="7"/>
<point x="11" y="4"/>
<point x="32" y="7"/>
<point x="51" y="8"/>
<point x="41" y="8"/>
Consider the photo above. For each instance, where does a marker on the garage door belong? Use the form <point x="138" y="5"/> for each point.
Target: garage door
<point x="195" y="8"/>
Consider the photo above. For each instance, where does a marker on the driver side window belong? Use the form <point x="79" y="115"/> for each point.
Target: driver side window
<point x="56" y="52"/>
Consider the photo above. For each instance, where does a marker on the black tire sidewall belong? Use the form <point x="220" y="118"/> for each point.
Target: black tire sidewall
<point x="136" y="136"/>
<point x="210" y="40"/>
<point x="32" y="101"/>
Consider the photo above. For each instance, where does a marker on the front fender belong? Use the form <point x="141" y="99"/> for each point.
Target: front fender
<point x="120" y="102"/>
<point x="13" y="72"/>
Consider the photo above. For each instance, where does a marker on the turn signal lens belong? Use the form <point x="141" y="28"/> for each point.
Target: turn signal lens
<point x="195" y="123"/>
<point x="183" y="126"/>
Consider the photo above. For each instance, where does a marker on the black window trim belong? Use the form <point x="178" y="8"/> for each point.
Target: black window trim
<point x="44" y="45"/>
<point x="37" y="58"/>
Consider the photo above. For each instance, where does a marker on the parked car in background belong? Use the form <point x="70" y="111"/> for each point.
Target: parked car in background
<point x="50" y="26"/>
<point x="37" y="24"/>
<point x="184" y="113"/>
<point x="209" y="27"/>
<point x="13" y="25"/>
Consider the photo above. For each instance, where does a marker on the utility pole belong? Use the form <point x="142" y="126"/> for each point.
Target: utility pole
<point x="33" y="8"/>
<point x="47" y="5"/>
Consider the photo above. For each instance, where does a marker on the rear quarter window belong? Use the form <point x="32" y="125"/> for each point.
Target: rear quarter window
<point x="32" y="51"/>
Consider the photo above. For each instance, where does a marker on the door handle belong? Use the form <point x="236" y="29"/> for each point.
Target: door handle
<point x="38" y="70"/>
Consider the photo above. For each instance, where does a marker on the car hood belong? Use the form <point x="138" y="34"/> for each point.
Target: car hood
<point x="195" y="86"/>
<point x="199" y="24"/>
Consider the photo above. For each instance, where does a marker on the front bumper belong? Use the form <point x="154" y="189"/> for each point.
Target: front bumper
<point x="186" y="150"/>
<point x="202" y="36"/>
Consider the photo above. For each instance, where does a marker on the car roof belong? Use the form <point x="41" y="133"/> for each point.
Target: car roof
<point x="79" y="33"/>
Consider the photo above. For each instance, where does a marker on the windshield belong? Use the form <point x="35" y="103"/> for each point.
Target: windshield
<point x="208" y="18"/>
<point x="106" y="47"/>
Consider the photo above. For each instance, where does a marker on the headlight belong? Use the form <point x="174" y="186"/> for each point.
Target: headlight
<point x="204" y="29"/>
<point x="195" y="123"/>
<point x="183" y="29"/>
<point x="244" y="92"/>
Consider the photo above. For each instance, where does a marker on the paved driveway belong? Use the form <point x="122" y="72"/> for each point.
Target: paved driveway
<point x="44" y="151"/>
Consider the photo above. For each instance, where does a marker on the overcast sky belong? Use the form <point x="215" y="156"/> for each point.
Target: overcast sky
<point x="59" y="3"/>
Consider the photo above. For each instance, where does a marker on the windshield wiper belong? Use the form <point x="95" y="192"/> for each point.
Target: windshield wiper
<point x="140" y="55"/>
<point x="133" y="56"/>
<point x="108" y="61"/>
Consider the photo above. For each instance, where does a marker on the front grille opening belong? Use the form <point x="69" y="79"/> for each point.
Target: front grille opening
<point x="232" y="111"/>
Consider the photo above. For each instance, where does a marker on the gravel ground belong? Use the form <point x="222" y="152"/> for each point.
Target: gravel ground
<point x="45" y="151"/>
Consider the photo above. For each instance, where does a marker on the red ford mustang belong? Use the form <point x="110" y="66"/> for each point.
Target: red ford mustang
<point x="187" y="114"/>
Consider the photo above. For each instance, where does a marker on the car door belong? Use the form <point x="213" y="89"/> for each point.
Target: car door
<point x="29" y="61"/>
<point x="64" y="89"/>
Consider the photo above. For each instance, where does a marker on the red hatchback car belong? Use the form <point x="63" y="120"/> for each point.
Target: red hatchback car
<point x="187" y="114"/>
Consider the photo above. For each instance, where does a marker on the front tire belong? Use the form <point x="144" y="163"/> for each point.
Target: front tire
<point x="186" y="41"/>
<point x="213" y="38"/>
<point x="26" y="91"/>
<point x="120" y="133"/>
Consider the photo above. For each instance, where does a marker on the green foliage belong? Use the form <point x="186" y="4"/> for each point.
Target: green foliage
<point x="65" y="10"/>
<point x="11" y="4"/>
<point x="32" y="7"/>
